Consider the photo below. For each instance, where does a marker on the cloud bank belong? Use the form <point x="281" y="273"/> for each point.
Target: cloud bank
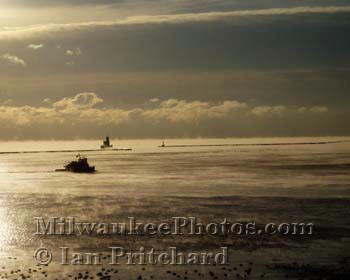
<point x="87" y="109"/>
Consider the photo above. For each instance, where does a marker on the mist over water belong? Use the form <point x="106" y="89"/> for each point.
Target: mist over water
<point x="251" y="183"/>
<point x="302" y="170"/>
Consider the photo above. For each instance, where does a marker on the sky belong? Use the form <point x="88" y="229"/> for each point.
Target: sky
<point x="163" y="68"/>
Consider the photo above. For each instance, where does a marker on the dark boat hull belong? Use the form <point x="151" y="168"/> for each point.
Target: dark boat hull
<point x="89" y="170"/>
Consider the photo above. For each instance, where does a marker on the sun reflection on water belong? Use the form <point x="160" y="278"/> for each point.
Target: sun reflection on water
<point x="6" y="231"/>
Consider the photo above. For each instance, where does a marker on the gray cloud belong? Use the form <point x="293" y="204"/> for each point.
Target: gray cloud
<point x="193" y="70"/>
<point x="34" y="31"/>
<point x="39" y="3"/>
<point x="182" y="5"/>
<point x="288" y="42"/>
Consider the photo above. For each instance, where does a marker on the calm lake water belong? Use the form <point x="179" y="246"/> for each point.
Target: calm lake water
<point x="262" y="184"/>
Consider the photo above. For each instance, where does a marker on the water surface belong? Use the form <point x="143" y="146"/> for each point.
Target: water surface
<point x="291" y="183"/>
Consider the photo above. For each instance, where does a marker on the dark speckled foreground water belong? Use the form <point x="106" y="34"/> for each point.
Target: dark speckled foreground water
<point x="262" y="184"/>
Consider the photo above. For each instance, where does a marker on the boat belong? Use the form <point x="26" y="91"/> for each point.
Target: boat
<point x="106" y="144"/>
<point x="80" y="165"/>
